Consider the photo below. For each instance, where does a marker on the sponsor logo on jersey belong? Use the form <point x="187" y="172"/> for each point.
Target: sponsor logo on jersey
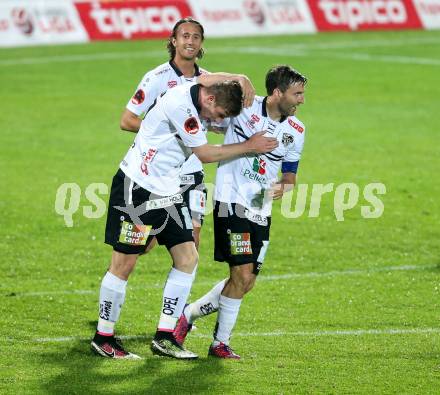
<point x="148" y="157"/>
<point x="162" y="71"/>
<point x="240" y="243"/>
<point x="191" y="125"/>
<point x="259" y="166"/>
<point x="133" y="234"/>
<point x="187" y="179"/>
<point x="297" y="127"/>
<point x="287" y="139"/>
<point x="172" y="84"/>
<point x="167" y="201"/>
<point x="256" y="218"/>
<point x="254" y="119"/>
<point x="248" y="173"/>
<point x="138" y="97"/>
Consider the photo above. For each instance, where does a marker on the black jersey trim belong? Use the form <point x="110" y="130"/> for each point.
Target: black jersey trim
<point x="179" y="72"/>
<point x="263" y="108"/>
<point x="195" y="91"/>
<point x="264" y="111"/>
<point x="197" y="70"/>
<point x="175" y="68"/>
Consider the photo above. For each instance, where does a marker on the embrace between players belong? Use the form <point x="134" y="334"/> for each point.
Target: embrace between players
<point x="157" y="194"/>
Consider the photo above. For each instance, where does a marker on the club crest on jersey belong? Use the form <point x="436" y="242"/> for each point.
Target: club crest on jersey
<point x="172" y="84"/>
<point x="287" y="139"/>
<point x="138" y="97"/>
<point x="259" y="166"/>
<point x="191" y="125"/>
<point x="297" y="127"/>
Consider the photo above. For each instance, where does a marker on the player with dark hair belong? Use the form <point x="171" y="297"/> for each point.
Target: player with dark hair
<point x="185" y="47"/>
<point x="146" y="202"/>
<point x="245" y="188"/>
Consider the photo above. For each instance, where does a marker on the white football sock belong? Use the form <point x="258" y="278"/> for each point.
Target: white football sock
<point x="175" y="295"/>
<point x="111" y="299"/>
<point x="227" y="317"/>
<point x="195" y="272"/>
<point x="207" y="304"/>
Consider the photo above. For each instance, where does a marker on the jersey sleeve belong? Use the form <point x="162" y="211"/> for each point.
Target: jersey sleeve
<point x="294" y="149"/>
<point x="187" y="123"/>
<point x="146" y="92"/>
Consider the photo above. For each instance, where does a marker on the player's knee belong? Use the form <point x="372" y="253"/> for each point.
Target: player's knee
<point x="248" y="282"/>
<point x="189" y="261"/>
<point x="244" y="282"/>
<point x="122" y="264"/>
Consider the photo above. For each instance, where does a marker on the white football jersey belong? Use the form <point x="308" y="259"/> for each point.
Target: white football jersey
<point x="170" y="128"/>
<point x="245" y="180"/>
<point x="153" y="84"/>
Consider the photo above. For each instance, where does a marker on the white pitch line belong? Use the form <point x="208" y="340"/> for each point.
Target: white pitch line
<point x="365" y="57"/>
<point x="280" y="50"/>
<point x="82" y="57"/>
<point x="288" y="276"/>
<point x="387" y="58"/>
<point x="318" y="333"/>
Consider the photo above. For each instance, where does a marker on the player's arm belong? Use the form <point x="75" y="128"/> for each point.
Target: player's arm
<point x="130" y="121"/>
<point x="257" y="144"/>
<point x="244" y="81"/>
<point x="146" y="92"/>
<point x="285" y="184"/>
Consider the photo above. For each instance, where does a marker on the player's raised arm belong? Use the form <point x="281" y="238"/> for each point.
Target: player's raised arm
<point x="244" y="81"/>
<point x="257" y="144"/>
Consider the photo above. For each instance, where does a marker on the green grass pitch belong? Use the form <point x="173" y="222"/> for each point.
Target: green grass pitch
<point x="340" y="306"/>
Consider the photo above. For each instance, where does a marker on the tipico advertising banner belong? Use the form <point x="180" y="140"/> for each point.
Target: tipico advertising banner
<point x="39" y="22"/>
<point x="364" y="14"/>
<point x="429" y="13"/>
<point x="131" y="19"/>
<point x="253" y="17"/>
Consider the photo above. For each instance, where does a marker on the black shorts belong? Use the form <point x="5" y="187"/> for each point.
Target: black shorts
<point x="240" y="238"/>
<point x="194" y="194"/>
<point x="134" y="217"/>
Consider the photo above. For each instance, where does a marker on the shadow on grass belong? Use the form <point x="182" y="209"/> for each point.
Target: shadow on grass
<point x="75" y="370"/>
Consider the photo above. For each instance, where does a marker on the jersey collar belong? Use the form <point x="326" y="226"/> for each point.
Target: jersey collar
<point x="179" y="73"/>
<point x="264" y="111"/>
<point x="194" y="91"/>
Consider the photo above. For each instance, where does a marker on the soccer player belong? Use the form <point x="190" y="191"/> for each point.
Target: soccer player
<point x="145" y="201"/>
<point x="245" y="188"/>
<point x="184" y="47"/>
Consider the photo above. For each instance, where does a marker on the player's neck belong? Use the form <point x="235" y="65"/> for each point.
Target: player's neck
<point x="272" y="109"/>
<point x="185" y="66"/>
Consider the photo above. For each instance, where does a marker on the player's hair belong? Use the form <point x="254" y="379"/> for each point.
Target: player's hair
<point x="229" y="96"/>
<point x="282" y="77"/>
<point x="172" y="49"/>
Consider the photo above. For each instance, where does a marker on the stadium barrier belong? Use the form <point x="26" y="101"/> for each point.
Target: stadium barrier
<point x="28" y="22"/>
